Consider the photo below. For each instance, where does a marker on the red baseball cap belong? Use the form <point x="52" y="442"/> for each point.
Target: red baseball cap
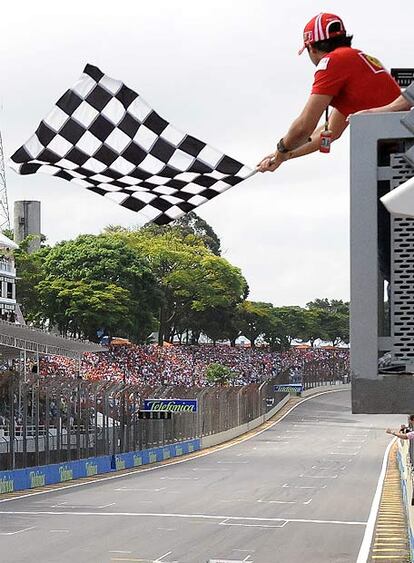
<point x="318" y="29"/>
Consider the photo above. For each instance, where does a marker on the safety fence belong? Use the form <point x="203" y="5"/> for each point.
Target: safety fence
<point x="48" y="420"/>
<point x="53" y="420"/>
<point x="405" y="457"/>
<point x="316" y="372"/>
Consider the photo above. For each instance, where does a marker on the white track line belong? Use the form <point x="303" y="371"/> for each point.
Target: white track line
<point x="183" y="516"/>
<point x="186" y="460"/>
<point x="369" y="530"/>
<point x="17" y="531"/>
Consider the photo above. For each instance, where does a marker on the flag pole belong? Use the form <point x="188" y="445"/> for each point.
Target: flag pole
<point x="252" y="173"/>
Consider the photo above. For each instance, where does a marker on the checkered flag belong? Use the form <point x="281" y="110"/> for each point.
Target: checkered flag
<point x="103" y="136"/>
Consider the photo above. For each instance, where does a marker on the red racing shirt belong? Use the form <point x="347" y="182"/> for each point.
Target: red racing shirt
<point x="355" y="80"/>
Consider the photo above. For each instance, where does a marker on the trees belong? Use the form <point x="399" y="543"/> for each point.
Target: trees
<point x="133" y="281"/>
<point x="255" y="318"/>
<point x="217" y="374"/>
<point x="79" y="307"/>
<point x="95" y="278"/>
<point x="29" y="269"/>
<point x="313" y="328"/>
<point x="192" y="223"/>
<point x="194" y="283"/>
<point x="285" y="325"/>
<point x="328" y="320"/>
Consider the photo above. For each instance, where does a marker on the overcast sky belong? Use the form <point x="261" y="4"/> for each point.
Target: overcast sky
<point x="225" y="71"/>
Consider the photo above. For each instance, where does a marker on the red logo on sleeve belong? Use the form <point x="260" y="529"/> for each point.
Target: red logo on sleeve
<point x="374" y="64"/>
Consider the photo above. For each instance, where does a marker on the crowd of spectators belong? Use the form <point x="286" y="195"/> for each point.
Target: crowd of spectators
<point x="187" y="365"/>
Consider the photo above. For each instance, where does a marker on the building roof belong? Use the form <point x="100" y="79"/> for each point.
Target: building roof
<point x="5" y="242"/>
<point x="23" y="337"/>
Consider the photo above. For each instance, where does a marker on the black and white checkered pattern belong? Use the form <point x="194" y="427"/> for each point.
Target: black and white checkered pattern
<point x="103" y="136"/>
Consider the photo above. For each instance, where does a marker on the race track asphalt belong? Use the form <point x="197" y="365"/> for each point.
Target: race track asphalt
<point x="301" y="491"/>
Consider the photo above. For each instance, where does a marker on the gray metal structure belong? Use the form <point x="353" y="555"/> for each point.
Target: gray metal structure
<point x="382" y="314"/>
<point x="27" y="222"/>
<point x="4" y="206"/>
<point x="30" y="339"/>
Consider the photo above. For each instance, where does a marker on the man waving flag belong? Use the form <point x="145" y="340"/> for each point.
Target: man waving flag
<point x="104" y="137"/>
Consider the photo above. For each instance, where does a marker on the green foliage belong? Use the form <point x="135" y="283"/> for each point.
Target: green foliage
<point x="191" y="279"/>
<point x="29" y="269"/>
<point x="192" y="223"/>
<point x="255" y="319"/>
<point x="9" y="233"/>
<point x="327" y="320"/>
<point x="134" y="281"/>
<point x="109" y="278"/>
<point x="79" y="307"/>
<point x="217" y="374"/>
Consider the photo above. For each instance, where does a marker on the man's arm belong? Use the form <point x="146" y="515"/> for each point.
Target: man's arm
<point x="401" y="435"/>
<point x="299" y="132"/>
<point x="337" y="124"/>
<point x="304" y="125"/>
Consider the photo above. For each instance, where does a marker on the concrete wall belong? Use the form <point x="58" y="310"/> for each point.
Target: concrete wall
<point x="372" y="171"/>
<point x="391" y="394"/>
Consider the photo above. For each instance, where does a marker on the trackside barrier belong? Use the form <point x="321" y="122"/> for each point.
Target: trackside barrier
<point x="405" y="464"/>
<point x="220" y="437"/>
<point x="32" y="477"/>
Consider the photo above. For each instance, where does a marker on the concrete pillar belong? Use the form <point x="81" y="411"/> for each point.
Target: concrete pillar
<point x="27" y="222"/>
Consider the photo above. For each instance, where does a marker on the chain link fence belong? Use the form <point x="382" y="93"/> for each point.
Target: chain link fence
<point x="50" y="420"/>
<point x="47" y="420"/>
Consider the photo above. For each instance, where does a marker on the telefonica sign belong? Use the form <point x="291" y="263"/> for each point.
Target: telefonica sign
<point x="289" y="388"/>
<point x="171" y="405"/>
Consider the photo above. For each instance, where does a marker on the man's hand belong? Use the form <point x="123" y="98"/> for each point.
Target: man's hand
<point x="388" y="431"/>
<point x="272" y="161"/>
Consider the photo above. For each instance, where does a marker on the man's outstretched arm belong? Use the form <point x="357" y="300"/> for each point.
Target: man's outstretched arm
<point x="299" y="132"/>
<point x="337" y="124"/>
<point x="400" y="435"/>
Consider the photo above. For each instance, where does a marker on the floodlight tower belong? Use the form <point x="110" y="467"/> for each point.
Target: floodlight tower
<point x="4" y="206"/>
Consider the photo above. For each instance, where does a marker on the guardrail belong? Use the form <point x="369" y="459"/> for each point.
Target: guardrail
<point x="60" y="420"/>
<point x="405" y="458"/>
